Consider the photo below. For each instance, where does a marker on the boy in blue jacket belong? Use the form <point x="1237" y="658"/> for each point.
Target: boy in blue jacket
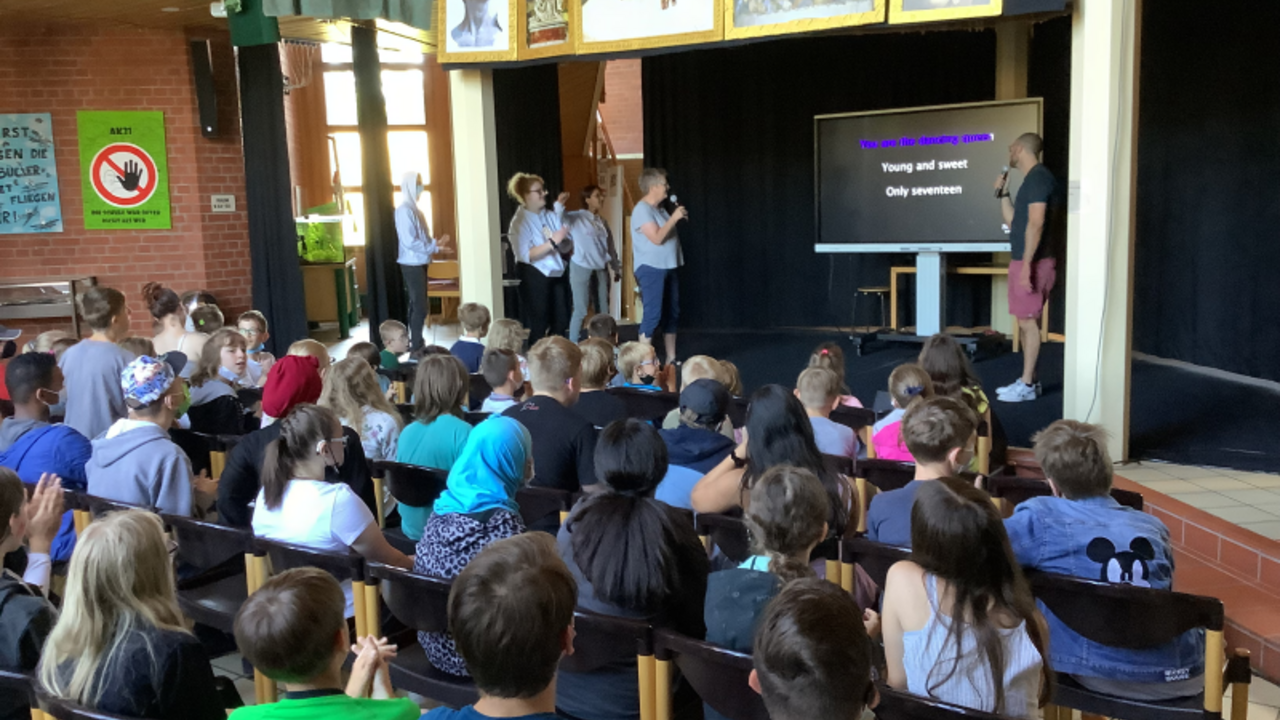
<point x="1083" y="532"/>
<point x="31" y="446"/>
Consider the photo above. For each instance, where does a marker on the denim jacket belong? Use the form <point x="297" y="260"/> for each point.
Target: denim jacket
<point x="1098" y="539"/>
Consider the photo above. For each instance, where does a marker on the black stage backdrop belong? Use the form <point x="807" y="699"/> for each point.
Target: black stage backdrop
<point x="1208" y="252"/>
<point x="734" y="129"/>
<point x="527" y="102"/>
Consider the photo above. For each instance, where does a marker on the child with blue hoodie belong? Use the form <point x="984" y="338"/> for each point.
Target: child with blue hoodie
<point x="134" y="461"/>
<point x="32" y="447"/>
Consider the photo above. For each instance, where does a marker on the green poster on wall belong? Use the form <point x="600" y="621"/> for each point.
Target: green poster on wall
<point x="124" y="170"/>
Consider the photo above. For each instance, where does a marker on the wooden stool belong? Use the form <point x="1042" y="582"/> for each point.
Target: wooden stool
<point x="882" y="291"/>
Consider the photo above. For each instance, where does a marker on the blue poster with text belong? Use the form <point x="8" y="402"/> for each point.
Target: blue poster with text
<point x="29" y="200"/>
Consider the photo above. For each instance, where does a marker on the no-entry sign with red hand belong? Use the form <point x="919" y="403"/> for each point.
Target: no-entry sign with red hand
<point x="124" y="170"/>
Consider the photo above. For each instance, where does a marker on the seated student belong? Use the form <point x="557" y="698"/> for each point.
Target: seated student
<point x="475" y="325"/>
<point x="61" y="345"/>
<point x="786" y="519"/>
<point x="298" y="505"/>
<point x="395" y="342"/>
<point x="438" y="433"/>
<point x="940" y="435"/>
<point x="253" y="326"/>
<point x="501" y="370"/>
<point x="908" y="384"/>
<point x="293" y="630"/>
<point x="778" y="433"/>
<point x="43" y="343"/>
<point x="207" y="319"/>
<point x="215" y="407"/>
<point x="819" y="392"/>
<point x="732" y="379"/>
<point x="477" y="508"/>
<point x="812" y="657"/>
<point x="830" y="355"/>
<point x="92" y="366"/>
<point x="696" y="446"/>
<point x="134" y="461"/>
<point x="507" y="334"/>
<point x="959" y="623"/>
<point x="511" y="612"/>
<point x="308" y="347"/>
<point x="603" y="327"/>
<point x="177" y="330"/>
<point x="369" y="352"/>
<point x="1078" y="532"/>
<point x="193" y="300"/>
<point x="351" y="391"/>
<point x="666" y="583"/>
<point x="594" y="404"/>
<point x="293" y="380"/>
<point x="953" y="376"/>
<point x="564" y="444"/>
<point x="121" y="644"/>
<point x="25" y="614"/>
<point x="638" y="366"/>
<point x="138" y="346"/>
<point x="32" y="447"/>
<point x="698" y="367"/>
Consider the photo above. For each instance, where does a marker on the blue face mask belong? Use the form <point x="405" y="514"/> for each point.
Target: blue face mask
<point x="257" y="348"/>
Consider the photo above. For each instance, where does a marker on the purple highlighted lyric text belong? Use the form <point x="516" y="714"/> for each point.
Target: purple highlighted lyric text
<point x="925" y="140"/>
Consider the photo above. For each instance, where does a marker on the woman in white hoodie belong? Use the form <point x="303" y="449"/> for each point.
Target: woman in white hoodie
<point x="416" y="249"/>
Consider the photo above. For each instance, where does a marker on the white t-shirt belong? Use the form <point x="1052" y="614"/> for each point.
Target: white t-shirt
<point x="316" y="514"/>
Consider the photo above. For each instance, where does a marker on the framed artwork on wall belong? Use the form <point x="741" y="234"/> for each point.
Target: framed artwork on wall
<point x="600" y="26"/>
<point x="918" y="11"/>
<point x="478" y="30"/>
<point x="761" y="18"/>
<point x="543" y="29"/>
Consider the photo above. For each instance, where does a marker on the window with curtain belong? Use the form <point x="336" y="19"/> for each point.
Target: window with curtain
<point x="404" y="91"/>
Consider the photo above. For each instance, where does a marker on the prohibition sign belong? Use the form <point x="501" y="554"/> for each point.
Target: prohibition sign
<point x="123" y="175"/>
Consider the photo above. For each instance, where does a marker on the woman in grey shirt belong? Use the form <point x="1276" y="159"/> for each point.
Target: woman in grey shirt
<point x="655" y="249"/>
<point x="594" y="257"/>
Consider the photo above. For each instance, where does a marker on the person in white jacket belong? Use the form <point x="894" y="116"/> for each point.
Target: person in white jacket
<point x="416" y="249"/>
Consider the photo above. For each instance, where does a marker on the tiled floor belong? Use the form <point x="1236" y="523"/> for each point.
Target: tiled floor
<point x="1250" y="500"/>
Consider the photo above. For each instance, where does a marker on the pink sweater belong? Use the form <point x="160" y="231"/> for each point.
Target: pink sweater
<point x="888" y="443"/>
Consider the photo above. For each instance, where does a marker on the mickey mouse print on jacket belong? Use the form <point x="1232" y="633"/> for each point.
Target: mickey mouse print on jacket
<point x="1097" y="538"/>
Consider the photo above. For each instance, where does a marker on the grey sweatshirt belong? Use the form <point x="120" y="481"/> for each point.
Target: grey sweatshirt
<point x="136" y="462"/>
<point x="94" y="396"/>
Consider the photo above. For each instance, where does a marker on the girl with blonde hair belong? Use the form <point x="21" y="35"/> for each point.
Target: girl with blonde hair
<point x="121" y="645"/>
<point x="352" y="391"/>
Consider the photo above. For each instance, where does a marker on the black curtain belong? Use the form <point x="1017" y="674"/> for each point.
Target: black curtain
<point x="1207" y="252"/>
<point x="526" y="102"/>
<point x="382" y="245"/>
<point x="734" y="129"/>
<point x="273" y="241"/>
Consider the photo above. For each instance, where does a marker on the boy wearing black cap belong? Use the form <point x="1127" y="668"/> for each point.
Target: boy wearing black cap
<point x="696" y="445"/>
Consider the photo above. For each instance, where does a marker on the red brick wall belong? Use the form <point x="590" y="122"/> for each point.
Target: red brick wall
<point x="623" y="108"/>
<point x="68" y="67"/>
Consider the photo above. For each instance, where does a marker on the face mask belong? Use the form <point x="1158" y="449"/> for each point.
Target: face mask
<point x="186" y="402"/>
<point x="224" y="372"/>
<point x="190" y="324"/>
<point x="647" y="379"/>
<point x="257" y="348"/>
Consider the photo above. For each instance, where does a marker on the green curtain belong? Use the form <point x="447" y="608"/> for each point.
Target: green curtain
<point x="416" y="13"/>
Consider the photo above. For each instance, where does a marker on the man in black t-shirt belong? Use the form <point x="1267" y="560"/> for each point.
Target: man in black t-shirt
<point x="1034" y="237"/>
<point x="564" y="444"/>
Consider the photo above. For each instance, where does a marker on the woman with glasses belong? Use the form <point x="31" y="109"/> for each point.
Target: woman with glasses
<point x="542" y="247"/>
<point x="299" y="505"/>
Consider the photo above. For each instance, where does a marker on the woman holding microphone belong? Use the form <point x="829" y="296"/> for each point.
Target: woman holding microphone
<point x="655" y="249"/>
<point x="542" y="246"/>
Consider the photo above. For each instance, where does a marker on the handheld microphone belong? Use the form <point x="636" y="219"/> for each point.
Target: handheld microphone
<point x="675" y="201"/>
<point x="1004" y="175"/>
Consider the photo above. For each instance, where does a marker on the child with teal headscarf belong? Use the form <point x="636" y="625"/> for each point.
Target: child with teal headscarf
<point x="478" y="507"/>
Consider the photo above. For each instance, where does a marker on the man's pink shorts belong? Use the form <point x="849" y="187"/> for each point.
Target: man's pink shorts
<point x="1025" y="304"/>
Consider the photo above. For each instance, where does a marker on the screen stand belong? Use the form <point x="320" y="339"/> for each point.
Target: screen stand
<point x="930" y="286"/>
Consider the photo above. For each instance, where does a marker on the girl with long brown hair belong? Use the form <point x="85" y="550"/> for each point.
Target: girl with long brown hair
<point x="960" y="624"/>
